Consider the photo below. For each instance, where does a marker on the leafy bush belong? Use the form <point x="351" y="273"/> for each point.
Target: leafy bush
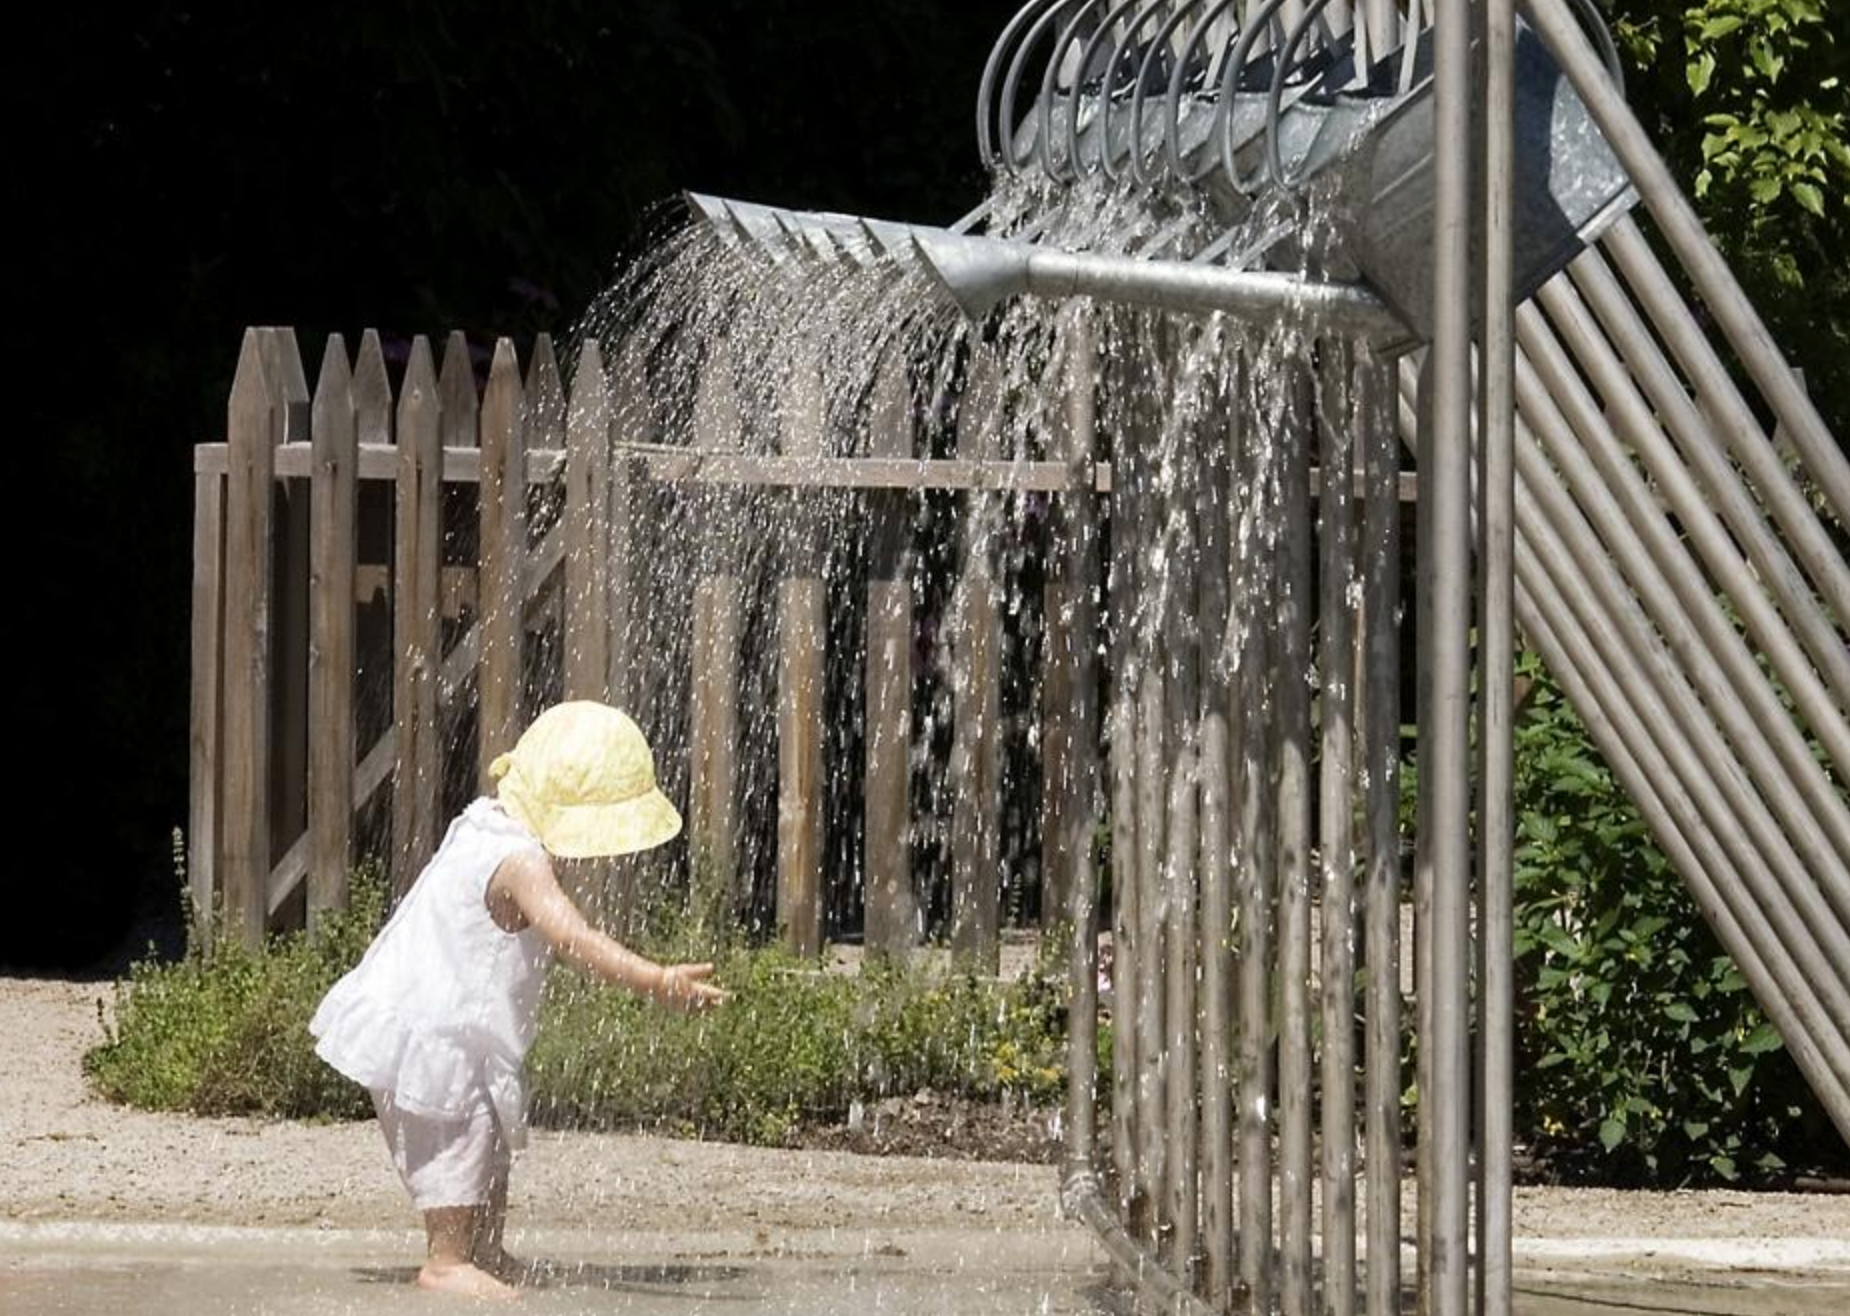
<point x="795" y="1045"/>
<point x="1638" y="1037"/>
<point x="225" y="1030"/>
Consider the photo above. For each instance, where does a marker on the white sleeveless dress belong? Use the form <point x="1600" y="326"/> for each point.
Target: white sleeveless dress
<point x="440" y="1011"/>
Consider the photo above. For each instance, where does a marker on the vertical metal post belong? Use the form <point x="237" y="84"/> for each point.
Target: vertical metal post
<point x="1443" y="863"/>
<point x="1153" y="900"/>
<point x="1253" y="859"/>
<point x="1336" y="769"/>
<point x="1496" y="658"/>
<point x="1292" y="704"/>
<point x="1217" y="1218"/>
<point x="1380" y="695"/>
<point x="1152" y="757"/>
<point x="1126" y="895"/>
<point x="1181" y="640"/>
<point x="1079" y="519"/>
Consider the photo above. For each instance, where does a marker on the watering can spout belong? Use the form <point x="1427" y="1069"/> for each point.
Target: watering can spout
<point x="976" y="273"/>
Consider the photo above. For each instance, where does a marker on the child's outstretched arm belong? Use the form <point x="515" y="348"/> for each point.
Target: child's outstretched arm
<point x="526" y="881"/>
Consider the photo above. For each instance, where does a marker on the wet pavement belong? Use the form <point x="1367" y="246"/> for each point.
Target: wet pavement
<point x="57" y="1268"/>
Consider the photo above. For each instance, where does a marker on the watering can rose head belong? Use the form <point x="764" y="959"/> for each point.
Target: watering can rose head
<point x="582" y="779"/>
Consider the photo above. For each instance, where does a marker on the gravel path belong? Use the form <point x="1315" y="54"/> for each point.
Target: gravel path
<point x="70" y="1156"/>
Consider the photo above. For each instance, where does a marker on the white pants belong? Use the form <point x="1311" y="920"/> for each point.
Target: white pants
<point x="443" y="1161"/>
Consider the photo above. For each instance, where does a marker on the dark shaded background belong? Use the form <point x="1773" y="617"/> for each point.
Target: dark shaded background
<point x="180" y="171"/>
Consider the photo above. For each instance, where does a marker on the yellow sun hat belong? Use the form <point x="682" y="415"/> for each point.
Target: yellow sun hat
<point x="582" y="779"/>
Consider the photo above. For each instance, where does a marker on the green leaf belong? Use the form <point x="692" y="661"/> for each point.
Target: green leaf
<point x="1808" y="195"/>
<point x="1724" y="1166"/>
<point x="1682" y="1012"/>
<point x="1700" y="71"/>
<point x="1766" y="60"/>
<point x="1763" y="1039"/>
<point x="1694" y="1129"/>
<point x="1611" y="1132"/>
<point x="1764" y="190"/>
<point x="1719" y="26"/>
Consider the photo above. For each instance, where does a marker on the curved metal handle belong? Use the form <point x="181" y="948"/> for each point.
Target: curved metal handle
<point x="1144" y="175"/>
<point x="1287" y="60"/>
<point x="985" y="90"/>
<point x="1236" y="65"/>
<point x="1050" y="81"/>
<point x="1172" y="102"/>
<point x="1112" y="21"/>
<point x="1124" y="45"/>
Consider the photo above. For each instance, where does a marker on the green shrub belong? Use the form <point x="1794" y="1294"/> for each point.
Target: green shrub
<point x="795" y="1045"/>
<point x="225" y="1030"/>
<point x="1640" y="1053"/>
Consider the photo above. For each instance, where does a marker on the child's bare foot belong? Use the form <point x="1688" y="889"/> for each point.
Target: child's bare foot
<point x="505" y="1266"/>
<point x="465" y="1280"/>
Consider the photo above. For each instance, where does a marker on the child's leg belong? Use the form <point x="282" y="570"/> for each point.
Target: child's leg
<point x="449" y="1266"/>
<point x="448" y="1167"/>
<point x="491" y="1224"/>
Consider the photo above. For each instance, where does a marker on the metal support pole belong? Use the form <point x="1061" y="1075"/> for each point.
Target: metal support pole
<point x="1253" y="859"/>
<point x="1496" y="669"/>
<point x="1336" y="810"/>
<point x="1723" y="798"/>
<point x="1126" y="895"/>
<point x="1379" y="689"/>
<point x="1735" y="423"/>
<point x="1181" y="640"/>
<point x="1683" y="232"/>
<point x="1696" y="631"/>
<point x="1443" y="864"/>
<point x="1217" y="514"/>
<point x="1079" y="554"/>
<point x="1292" y="710"/>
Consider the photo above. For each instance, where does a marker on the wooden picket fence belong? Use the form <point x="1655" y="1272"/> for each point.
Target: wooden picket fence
<point x="379" y="579"/>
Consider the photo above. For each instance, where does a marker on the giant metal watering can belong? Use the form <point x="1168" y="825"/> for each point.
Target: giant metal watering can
<point x="1202" y="112"/>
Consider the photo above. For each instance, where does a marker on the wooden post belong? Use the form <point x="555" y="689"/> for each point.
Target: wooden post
<point x="459" y="423"/>
<point x="202" y="831"/>
<point x="416" y="620"/>
<point x="332" y="501"/>
<point x="975" y="768"/>
<point x="458" y="553"/>
<point x="630" y="422"/>
<point x="373" y="421"/>
<point x="545" y="433"/>
<point x="892" y="918"/>
<point x="1070" y="439"/>
<point x="713" y="695"/>
<point x="503" y="556"/>
<point x="587" y="480"/>
<point x="802" y="639"/>
<point x="290" y="609"/>
<point x="253" y="428"/>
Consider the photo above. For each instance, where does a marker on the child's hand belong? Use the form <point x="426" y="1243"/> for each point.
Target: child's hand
<point x="682" y="986"/>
